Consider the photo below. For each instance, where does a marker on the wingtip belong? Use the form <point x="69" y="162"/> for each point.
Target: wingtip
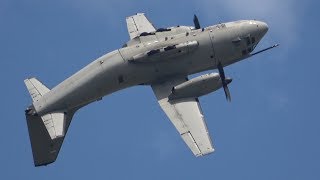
<point x="208" y="151"/>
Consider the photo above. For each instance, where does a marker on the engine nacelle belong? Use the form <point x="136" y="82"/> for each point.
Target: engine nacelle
<point x="197" y="87"/>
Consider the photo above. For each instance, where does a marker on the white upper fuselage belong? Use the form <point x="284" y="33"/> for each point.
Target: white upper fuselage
<point x="226" y="43"/>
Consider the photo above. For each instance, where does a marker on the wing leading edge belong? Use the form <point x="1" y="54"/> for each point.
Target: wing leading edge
<point x="186" y="116"/>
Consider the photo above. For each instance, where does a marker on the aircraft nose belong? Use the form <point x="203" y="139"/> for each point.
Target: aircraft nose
<point x="263" y="27"/>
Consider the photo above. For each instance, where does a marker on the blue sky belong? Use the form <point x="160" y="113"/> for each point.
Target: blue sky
<point x="270" y="130"/>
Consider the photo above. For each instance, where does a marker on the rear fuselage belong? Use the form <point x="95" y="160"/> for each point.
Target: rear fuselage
<point x="166" y="54"/>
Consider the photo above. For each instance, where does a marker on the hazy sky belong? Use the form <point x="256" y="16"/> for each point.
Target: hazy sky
<point x="270" y="130"/>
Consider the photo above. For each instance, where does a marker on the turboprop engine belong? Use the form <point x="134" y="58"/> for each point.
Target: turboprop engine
<point x="198" y="86"/>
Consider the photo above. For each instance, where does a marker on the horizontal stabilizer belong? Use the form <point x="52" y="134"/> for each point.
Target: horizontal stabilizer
<point x="36" y="88"/>
<point x="54" y="123"/>
<point x="138" y="24"/>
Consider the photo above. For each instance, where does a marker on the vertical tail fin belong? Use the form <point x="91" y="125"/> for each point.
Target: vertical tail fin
<point x="45" y="140"/>
<point x="55" y="121"/>
<point x="48" y="131"/>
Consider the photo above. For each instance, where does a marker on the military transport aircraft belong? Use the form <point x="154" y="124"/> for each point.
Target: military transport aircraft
<point x="162" y="58"/>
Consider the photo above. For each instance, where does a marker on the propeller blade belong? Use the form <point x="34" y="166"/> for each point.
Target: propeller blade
<point x="221" y="72"/>
<point x="225" y="81"/>
<point x="227" y="93"/>
<point x="196" y="22"/>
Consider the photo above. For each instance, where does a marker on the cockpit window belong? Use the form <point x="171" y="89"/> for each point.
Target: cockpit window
<point x="253" y="40"/>
<point x="248" y="41"/>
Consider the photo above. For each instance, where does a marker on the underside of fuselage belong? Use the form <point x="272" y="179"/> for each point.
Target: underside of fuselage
<point x="149" y="58"/>
<point x="226" y="43"/>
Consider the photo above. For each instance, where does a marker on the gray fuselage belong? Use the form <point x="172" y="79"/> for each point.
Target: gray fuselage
<point x="226" y="43"/>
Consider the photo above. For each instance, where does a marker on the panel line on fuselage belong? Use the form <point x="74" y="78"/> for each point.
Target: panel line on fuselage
<point x="211" y="35"/>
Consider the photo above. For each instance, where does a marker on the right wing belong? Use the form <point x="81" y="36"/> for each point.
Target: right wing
<point x="138" y="24"/>
<point x="186" y="116"/>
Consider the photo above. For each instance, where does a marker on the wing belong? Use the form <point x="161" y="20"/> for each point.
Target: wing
<point x="186" y="116"/>
<point x="138" y="24"/>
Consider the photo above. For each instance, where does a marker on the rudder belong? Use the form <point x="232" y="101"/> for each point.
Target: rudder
<point x="47" y="131"/>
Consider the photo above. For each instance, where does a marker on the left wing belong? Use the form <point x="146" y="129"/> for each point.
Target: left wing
<point x="186" y="116"/>
<point x="138" y="24"/>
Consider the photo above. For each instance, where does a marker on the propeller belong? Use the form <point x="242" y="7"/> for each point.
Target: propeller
<point x="225" y="81"/>
<point x="196" y="22"/>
